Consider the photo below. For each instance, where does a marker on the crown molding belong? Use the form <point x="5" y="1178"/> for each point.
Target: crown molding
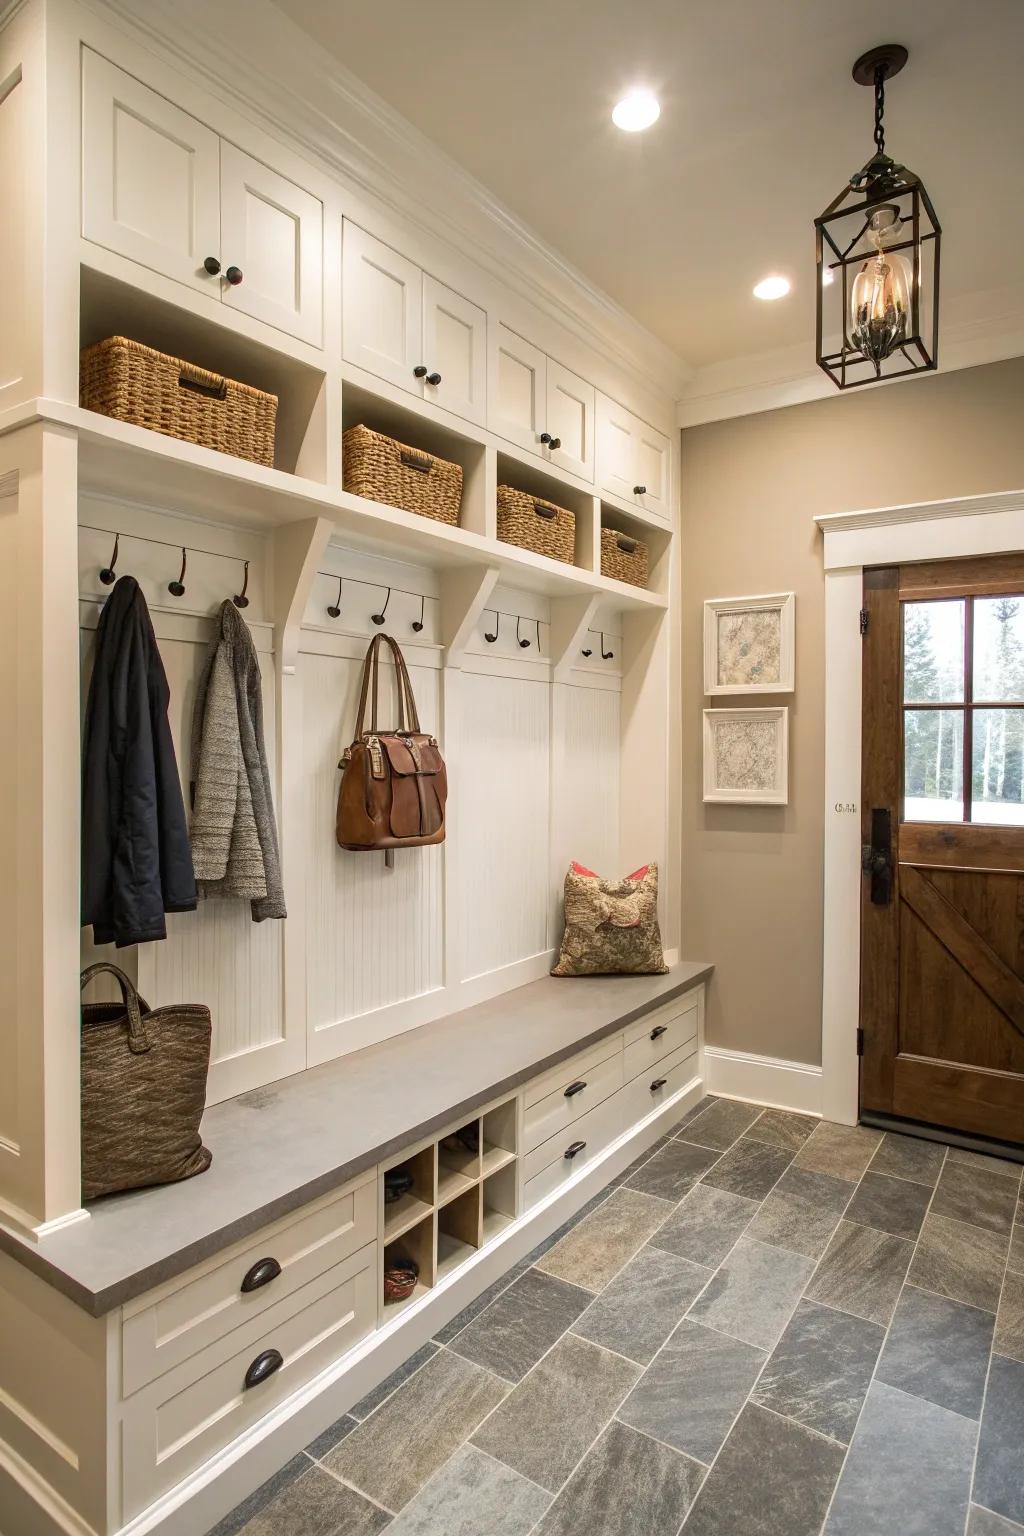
<point x="252" y="57"/>
<point x="921" y="511"/>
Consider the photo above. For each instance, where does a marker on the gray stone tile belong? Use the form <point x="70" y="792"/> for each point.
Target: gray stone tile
<point x="705" y="1225"/>
<point x="963" y="1262"/>
<point x="938" y="1349"/>
<point x="264" y="1495"/>
<point x="638" y="1162"/>
<point x="383" y="1391"/>
<point x="723" y="1123"/>
<point x="312" y="1504"/>
<point x="985" y="1160"/>
<point x="471" y="1494"/>
<point x="753" y="1294"/>
<point x="907" y="1157"/>
<point x="574" y="1220"/>
<point x="890" y="1205"/>
<point x="626" y="1485"/>
<point x="802" y="1211"/>
<point x="782" y="1128"/>
<point x="395" y="1451"/>
<point x="861" y="1272"/>
<point x="691" y="1114"/>
<point x="691" y="1392"/>
<point x="999" y="1475"/>
<point x="482" y="1302"/>
<point x="596" y="1250"/>
<point x="749" y="1169"/>
<point x="635" y="1314"/>
<point x="984" y="1523"/>
<point x="522" y="1324"/>
<point x="820" y="1370"/>
<point x="842" y="1150"/>
<point x="1015" y="1258"/>
<point x="772" y="1477"/>
<point x="333" y="1435"/>
<point x="980" y="1196"/>
<point x="545" y="1426"/>
<point x="908" y="1470"/>
<point x="673" y="1170"/>
<point x="1009" y="1339"/>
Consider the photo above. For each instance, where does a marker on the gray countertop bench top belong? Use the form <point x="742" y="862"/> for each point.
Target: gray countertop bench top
<point x="279" y="1147"/>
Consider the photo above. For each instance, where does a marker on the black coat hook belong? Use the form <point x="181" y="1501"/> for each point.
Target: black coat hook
<point x="497" y="628"/>
<point x="240" y="600"/>
<point x="539" y="651"/>
<point x="107" y="575"/>
<point x="335" y="609"/>
<point x="524" y="643"/>
<point x="586" y="651"/>
<point x="177" y="588"/>
<point x="378" y="618"/>
<point x="606" y="655"/>
<point x="417" y="624"/>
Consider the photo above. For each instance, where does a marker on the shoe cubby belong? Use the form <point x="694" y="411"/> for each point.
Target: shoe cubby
<point x="415" y="1245"/>
<point x="458" y="1161"/>
<point x="498" y="1139"/>
<point x="498" y="1203"/>
<point x="414" y="1203"/>
<point x="458" y="1231"/>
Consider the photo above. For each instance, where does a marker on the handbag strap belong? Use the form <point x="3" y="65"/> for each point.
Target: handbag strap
<point x="408" y="716"/>
<point x="138" y="1041"/>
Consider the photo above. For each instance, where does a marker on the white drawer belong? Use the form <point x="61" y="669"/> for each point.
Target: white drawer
<point x="547" y="1166"/>
<point x="190" y="1413"/>
<point x="652" y="1088"/>
<point x="589" y="1085"/>
<point x="651" y="1039"/>
<point x="559" y="1078"/>
<point x="169" y="1325"/>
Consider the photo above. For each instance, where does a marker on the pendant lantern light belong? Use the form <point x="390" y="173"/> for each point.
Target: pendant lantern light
<point x="878" y="260"/>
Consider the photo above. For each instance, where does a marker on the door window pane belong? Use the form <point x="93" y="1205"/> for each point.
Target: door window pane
<point x="997" y="767"/>
<point x="998" y="648"/>
<point x="933" y="765"/>
<point x="933" y="652"/>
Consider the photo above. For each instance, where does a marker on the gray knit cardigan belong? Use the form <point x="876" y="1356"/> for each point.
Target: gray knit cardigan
<point x="233" y="835"/>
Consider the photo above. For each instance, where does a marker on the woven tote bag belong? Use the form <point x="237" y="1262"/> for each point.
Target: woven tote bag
<point x="143" y="1090"/>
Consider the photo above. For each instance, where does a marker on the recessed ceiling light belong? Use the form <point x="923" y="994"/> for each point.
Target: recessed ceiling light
<point x="637" y="110"/>
<point x="772" y="288"/>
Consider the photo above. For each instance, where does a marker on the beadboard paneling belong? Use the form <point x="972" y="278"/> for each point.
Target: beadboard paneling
<point x="586" y="788"/>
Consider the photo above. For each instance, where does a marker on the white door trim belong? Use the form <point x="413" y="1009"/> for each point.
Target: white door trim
<point x="939" y="530"/>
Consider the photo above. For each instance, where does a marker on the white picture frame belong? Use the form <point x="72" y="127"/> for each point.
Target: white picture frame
<point x="749" y="644"/>
<point x="746" y="756"/>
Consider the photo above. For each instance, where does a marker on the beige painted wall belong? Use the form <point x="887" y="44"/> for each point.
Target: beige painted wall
<point x="752" y="875"/>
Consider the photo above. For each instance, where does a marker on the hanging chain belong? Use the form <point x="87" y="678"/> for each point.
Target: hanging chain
<point x="879" y="110"/>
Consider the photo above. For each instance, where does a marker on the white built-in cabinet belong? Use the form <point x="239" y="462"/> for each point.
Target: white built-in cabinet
<point x="539" y="405"/>
<point x="162" y="189"/>
<point x="404" y="326"/>
<point x="633" y="460"/>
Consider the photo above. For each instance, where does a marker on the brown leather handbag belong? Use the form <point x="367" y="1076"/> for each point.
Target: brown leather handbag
<point x="394" y="784"/>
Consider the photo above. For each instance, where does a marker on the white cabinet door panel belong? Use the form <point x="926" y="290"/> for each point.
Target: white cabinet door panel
<point x="383" y="309"/>
<point x="653" y="471"/>
<point x="570" y="419"/>
<point x="518" y="394"/>
<point x="273" y="231"/>
<point x="616" y="449"/>
<point x="151" y="176"/>
<point x="455" y="346"/>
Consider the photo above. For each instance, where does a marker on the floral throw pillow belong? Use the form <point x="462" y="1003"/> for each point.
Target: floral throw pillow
<point x="611" y="927"/>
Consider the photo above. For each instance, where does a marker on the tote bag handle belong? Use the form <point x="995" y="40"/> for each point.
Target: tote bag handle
<point x="138" y="1041"/>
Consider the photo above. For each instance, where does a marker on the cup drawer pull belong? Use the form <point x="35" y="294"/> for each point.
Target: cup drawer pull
<point x="262" y="1272"/>
<point x="575" y="1088"/>
<point x="573" y="1148"/>
<point x="659" y="1082"/>
<point x="263" y="1367"/>
<point x="658" y="1031"/>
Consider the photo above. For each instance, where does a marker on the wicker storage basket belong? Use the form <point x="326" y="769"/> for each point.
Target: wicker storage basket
<point x="381" y="469"/>
<point x="537" y="525"/>
<point x="133" y="383"/>
<point x="623" y="558"/>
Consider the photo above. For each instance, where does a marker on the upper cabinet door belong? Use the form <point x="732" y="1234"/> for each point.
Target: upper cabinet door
<point x="150" y="178"/>
<point x="616" y="449"/>
<point x="570" y="420"/>
<point x="383" y="309"/>
<point x="454" y="346"/>
<point x="273" y="232"/>
<point x="653" y="472"/>
<point x="517" y="396"/>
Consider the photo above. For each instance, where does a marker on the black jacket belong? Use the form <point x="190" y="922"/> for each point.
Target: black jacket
<point x="136" y="858"/>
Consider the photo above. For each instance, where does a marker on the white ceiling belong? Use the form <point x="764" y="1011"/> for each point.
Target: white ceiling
<point x="760" y="126"/>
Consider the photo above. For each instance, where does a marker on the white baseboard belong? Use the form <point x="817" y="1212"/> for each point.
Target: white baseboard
<point x="763" y="1080"/>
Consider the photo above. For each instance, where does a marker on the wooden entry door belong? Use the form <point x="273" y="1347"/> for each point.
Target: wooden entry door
<point x="942" y="931"/>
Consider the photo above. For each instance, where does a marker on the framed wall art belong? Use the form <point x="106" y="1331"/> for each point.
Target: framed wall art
<point x="749" y="644"/>
<point x="746" y="756"/>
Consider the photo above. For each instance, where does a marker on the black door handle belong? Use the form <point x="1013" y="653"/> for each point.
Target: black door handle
<point x="573" y="1148"/>
<point x="212" y="265"/>
<point x="658" y="1031"/>
<point x="876" y="856"/>
<point x="434" y="378"/>
<point x="659" y="1082"/>
<point x="233" y="275"/>
<point x="262" y="1272"/>
<point x="556" y="442"/>
<point x="573" y="1088"/>
<point x="639" y="490"/>
<point x="263" y="1367"/>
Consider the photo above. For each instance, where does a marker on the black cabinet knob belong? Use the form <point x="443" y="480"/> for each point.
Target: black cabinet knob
<point x="658" y="1031"/>
<point x="263" y="1367"/>
<point x="233" y="276"/>
<point x="659" y="1082"/>
<point x="212" y="265"/>
<point x="420" y="371"/>
<point x="556" y="442"/>
<point x="574" y="1088"/>
<point x="639" y="490"/>
<point x="573" y="1148"/>
<point x="434" y="378"/>
<point x="262" y="1272"/>
<point x="545" y="438"/>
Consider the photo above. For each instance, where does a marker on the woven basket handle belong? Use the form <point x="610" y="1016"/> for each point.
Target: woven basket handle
<point x="135" y="1006"/>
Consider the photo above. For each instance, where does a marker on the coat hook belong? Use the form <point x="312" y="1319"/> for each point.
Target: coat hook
<point x="417" y="625"/>
<point x="524" y="643"/>
<point x="497" y="628"/>
<point x="240" y="600"/>
<point x="107" y="575"/>
<point x="539" y="651"/>
<point x="177" y="588"/>
<point x="378" y="618"/>
<point x="586" y="651"/>
<point x="335" y="609"/>
<point x="606" y="655"/>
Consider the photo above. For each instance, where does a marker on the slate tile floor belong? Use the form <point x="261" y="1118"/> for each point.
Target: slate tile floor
<point x="768" y="1326"/>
